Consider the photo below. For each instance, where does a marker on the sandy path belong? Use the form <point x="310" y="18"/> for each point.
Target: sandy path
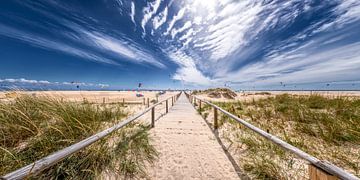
<point x="188" y="148"/>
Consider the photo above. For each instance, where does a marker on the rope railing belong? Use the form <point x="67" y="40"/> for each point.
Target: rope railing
<point x="46" y="162"/>
<point x="323" y="169"/>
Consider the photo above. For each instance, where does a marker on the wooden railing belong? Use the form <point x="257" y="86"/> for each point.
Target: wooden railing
<point x="318" y="170"/>
<point x="46" y="162"/>
<point x="141" y="101"/>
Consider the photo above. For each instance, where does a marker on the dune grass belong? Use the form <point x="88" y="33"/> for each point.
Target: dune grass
<point x="328" y="128"/>
<point x="34" y="127"/>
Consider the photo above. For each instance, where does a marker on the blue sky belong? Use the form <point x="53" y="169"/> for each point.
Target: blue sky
<point x="115" y="44"/>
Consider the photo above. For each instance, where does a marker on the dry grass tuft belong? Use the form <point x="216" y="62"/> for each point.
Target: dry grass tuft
<point x="34" y="127"/>
<point x="327" y="128"/>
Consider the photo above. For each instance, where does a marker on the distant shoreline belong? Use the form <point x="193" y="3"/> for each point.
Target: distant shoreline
<point x="260" y="90"/>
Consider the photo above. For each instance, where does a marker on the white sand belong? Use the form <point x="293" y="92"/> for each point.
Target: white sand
<point x="92" y="96"/>
<point x="188" y="148"/>
<point x="250" y="95"/>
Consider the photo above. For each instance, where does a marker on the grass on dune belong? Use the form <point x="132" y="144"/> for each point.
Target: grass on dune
<point x="328" y="128"/>
<point x="33" y="127"/>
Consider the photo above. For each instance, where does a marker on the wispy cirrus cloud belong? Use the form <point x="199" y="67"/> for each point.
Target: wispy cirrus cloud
<point x="121" y="48"/>
<point x="188" y="71"/>
<point x="208" y="42"/>
<point x="80" y="37"/>
<point x="148" y="12"/>
<point x="23" y="81"/>
<point x="132" y="13"/>
<point x="177" y="17"/>
<point x="45" y="43"/>
<point x="256" y="40"/>
<point x="160" y="19"/>
<point x="335" y="64"/>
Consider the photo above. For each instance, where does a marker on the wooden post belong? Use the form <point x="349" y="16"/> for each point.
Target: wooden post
<point x="148" y="102"/>
<point x="215" y="119"/>
<point x="123" y="101"/>
<point x="200" y="106"/>
<point x="172" y="101"/>
<point x="103" y="100"/>
<point x="318" y="174"/>
<point x="167" y="110"/>
<point x="143" y="101"/>
<point x="153" y="117"/>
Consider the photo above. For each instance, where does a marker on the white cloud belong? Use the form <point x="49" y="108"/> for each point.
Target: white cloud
<point x="336" y="64"/>
<point x="149" y="11"/>
<point x="160" y="19"/>
<point x="38" y="41"/>
<point x="229" y="27"/>
<point x="227" y="36"/>
<point x="125" y="49"/>
<point x="132" y="13"/>
<point x="80" y="41"/>
<point x="348" y="12"/>
<point x="200" y="36"/>
<point x="198" y="20"/>
<point x="187" y="25"/>
<point x="44" y="82"/>
<point x="177" y="17"/>
<point x="187" y="70"/>
<point x="187" y="34"/>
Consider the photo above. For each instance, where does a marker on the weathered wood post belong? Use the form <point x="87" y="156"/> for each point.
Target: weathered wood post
<point x="103" y="100"/>
<point x="172" y="101"/>
<point x="153" y="117"/>
<point x="216" y="125"/>
<point x="148" y="102"/>
<point x="200" y="106"/>
<point x="318" y="174"/>
<point x="143" y="101"/>
<point x="167" y="109"/>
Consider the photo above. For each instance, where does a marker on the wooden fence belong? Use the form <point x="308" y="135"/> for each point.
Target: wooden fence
<point x="46" y="162"/>
<point x="318" y="169"/>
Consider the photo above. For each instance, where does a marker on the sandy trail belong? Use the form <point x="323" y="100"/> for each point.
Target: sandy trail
<point x="188" y="148"/>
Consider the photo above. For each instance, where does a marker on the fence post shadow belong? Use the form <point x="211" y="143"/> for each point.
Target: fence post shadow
<point x="238" y="171"/>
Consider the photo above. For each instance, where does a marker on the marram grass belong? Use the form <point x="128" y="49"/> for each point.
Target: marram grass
<point x="327" y="128"/>
<point x="34" y="127"/>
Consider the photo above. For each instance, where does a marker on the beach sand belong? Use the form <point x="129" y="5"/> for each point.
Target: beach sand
<point x="187" y="146"/>
<point x="91" y="96"/>
<point x="255" y="95"/>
